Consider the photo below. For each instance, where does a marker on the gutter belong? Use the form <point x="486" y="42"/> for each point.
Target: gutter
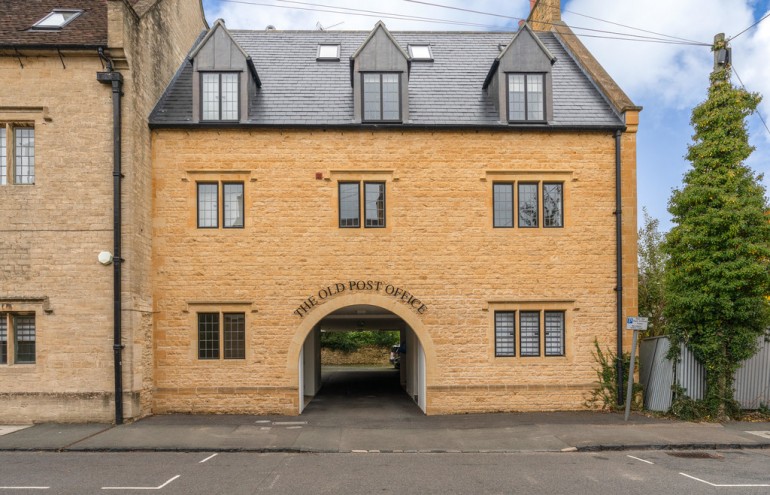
<point x="397" y="126"/>
<point x="619" y="265"/>
<point x="116" y="80"/>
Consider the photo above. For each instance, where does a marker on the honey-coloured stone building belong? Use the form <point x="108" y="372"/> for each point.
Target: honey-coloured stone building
<point x="474" y="190"/>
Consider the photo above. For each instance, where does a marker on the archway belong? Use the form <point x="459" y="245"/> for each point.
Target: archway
<point x="372" y="312"/>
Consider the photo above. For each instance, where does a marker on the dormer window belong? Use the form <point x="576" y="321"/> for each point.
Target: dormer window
<point x="526" y="101"/>
<point x="328" y="52"/>
<point x="57" y="19"/>
<point x="420" y="52"/>
<point x="381" y="97"/>
<point x="219" y="96"/>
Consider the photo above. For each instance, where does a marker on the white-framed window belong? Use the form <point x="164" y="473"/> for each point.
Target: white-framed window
<point x="221" y="336"/>
<point x="381" y="96"/>
<point x="328" y="51"/>
<point x="526" y="97"/>
<point x="17" y="154"/>
<point x="57" y="19"/>
<point x="17" y="338"/>
<point x="208" y="201"/>
<point x="219" y="96"/>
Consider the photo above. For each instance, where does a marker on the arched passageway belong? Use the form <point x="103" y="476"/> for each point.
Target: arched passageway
<point x="368" y="391"/>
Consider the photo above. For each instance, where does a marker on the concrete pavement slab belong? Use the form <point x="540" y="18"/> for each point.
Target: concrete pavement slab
<point x="50" y="436"/>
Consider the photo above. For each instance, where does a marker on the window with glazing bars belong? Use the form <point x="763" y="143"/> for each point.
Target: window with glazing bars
<point x="350" y="204"/>
<point x="234" y="335"/>
<point x="381" y="97"/>
<point x="350" y="213"/>
<point x="208" y="335"/>
<point x="554" y="333"/>
<point x="528" y="204"/>
<point x="374" y="204"/>
<point x="17" y="166"/>
<point x="219" y="95"/>
<point x="505" y="333"/>
<point x="553" y="204"/>
<point x="503" y="204"/>
<point x="18" y="330"/>
<point x="3" y="339"/>
<point x="529" y="333"/>
<point x="24" y="332"/>
<point x="526" y="99"/>
<point x="232" y="204"/>
<point x="208" y="205"/>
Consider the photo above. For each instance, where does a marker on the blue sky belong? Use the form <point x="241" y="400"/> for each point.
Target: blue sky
<point x="667" y="79"/>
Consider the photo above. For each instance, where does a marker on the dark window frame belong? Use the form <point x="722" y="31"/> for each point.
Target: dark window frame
<point x="526" y="97"/>
<point x="561" y="205"/>
<point x="363" y="99"/>
<point x="234" y="347"/>
<point x="563" y="332"/>
<point x="537" y="333"/>
<point x="221" y="204"/>
<point x="513" y="204"/>
<point x="12" y="335"/>
<point x="198" y="185"/>
<point x="498" y="351"/>
<point x="219" y="93"/>
<point x="224" y="204"/>
<point x="537" y="204"/>
<point x="362" y="204"/>
<point x="339" y="204"/>
<point x="222" y="345"/>
<point x="384" y="204"/>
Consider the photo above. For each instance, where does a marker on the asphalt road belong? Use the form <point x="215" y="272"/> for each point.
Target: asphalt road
<point x="645" y="472"/>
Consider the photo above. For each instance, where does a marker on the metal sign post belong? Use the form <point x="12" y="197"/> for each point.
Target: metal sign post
<point x="637" y="324"/>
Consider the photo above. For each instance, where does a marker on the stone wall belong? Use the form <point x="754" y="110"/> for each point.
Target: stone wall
<point x="52" y="231"/>
<point x="439" y="244"/>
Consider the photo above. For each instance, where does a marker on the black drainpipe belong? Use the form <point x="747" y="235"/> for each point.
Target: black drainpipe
<point x="116" y="79"/>
<point x="619" y="262"/>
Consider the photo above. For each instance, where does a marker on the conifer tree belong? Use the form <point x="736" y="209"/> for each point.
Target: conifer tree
<point x="718" y="270"/>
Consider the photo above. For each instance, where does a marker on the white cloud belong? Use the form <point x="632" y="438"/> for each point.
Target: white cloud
<point x="290" y="15"/>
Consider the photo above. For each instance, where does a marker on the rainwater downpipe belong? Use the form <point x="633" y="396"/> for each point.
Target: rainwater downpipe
<point x="110" y="76"/>
<point x="619" y="265"/>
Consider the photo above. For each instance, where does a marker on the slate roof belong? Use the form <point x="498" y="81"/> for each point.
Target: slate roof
<point x="297" y="90"/>
<point x="87" y="30"/>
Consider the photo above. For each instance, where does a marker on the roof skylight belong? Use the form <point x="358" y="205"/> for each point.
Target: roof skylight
<point x="57" y="19"/>
<point x="420" y="52"/>
<point x="328" y="52"/>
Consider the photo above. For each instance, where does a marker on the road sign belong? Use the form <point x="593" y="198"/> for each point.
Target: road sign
<point x="636" y="323"/>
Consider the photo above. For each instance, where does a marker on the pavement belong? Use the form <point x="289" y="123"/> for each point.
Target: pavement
<point x="365" y="410"/>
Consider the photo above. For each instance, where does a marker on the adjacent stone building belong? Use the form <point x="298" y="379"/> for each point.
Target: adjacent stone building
<point x="476" y="191"/>
<point x="59" y="63"/>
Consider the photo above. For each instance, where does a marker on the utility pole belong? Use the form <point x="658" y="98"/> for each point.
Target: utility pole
<point x="722" y="52"/>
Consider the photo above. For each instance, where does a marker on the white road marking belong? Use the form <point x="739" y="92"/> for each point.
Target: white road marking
<point x="763" y="434"/>
<point x="141" y="487"/>
<point x="289" y="423"/>
<point x="721" y="486"/>
<point x="293" y="427"/>
<point x="207" y="458"/>
<point x="638" y="459"/>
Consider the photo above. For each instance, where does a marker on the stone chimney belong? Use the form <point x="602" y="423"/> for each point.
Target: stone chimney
<point x="543" y="13"/>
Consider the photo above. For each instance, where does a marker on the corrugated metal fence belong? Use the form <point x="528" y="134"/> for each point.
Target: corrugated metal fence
<point x="657" y="375"/>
